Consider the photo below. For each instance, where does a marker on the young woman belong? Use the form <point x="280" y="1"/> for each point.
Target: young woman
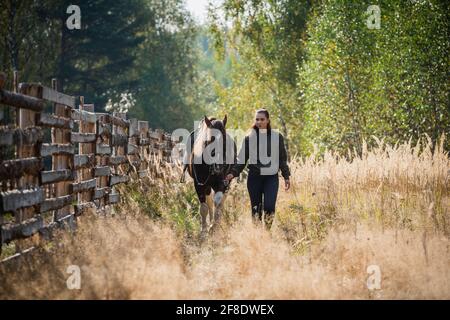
<point x="262" y="186"/>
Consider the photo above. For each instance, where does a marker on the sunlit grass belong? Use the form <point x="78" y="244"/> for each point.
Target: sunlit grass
<point x="389" y="206"/>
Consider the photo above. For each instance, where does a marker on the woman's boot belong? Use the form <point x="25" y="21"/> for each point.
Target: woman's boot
<point x="257" y="214"/>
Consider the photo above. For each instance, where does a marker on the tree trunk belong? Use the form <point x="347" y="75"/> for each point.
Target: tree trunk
<point x="355" y="114"/>
<point x="12" y="37"/>
<point x="61" y="76"/>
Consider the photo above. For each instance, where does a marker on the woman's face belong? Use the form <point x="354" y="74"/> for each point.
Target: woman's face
<point x="261" y="120"/>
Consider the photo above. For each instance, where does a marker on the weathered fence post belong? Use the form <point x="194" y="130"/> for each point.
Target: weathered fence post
<point x="120" y="146"/>
<point x="85" y="161"/>
<point x="27" y="149"/>
<point x="61" y="162"/>
<point x="133" y="148"/>
<point x="120" y="129"/>
<point x="160" y="145"/>
<point x="27" y="119"/>
<point x="143" y="143"/>
<point x="103" y="151"/>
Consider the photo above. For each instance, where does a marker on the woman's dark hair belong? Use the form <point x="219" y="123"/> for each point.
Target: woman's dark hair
<point x="266" y="113"/>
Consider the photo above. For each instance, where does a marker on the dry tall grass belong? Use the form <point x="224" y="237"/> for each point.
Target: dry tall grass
<point x="389" y="207"/>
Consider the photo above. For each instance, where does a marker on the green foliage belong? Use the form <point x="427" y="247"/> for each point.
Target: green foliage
<point x="158" y="200"/>
<point x="328" y="79"/>
<point x="166" y="69"/>
<point x="389" y="82"/>
<point x="145" y="48"/>
<point x="266" y="46"/>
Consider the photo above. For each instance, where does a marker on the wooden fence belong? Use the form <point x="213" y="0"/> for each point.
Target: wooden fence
<point x="47" y="184"/>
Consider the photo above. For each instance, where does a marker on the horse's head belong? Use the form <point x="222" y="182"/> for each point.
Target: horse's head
<point x="211" y="130"/>
<point x="215" y="129"/>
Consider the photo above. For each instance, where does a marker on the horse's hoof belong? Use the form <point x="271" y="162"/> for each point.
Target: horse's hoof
<point x="213" y="229"/>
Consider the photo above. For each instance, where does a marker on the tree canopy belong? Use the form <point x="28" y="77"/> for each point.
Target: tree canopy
<point x="329" y="77"/>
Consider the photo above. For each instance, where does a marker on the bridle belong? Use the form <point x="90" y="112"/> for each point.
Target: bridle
<point x="213" y="169"/>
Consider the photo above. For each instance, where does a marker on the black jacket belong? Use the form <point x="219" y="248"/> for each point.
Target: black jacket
<point x="255" y="168"/>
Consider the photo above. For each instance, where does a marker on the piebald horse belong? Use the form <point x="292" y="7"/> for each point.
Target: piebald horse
<point x="208" y="161"/>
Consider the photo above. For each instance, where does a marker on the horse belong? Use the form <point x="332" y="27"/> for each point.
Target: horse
<point x="209" y="176"/>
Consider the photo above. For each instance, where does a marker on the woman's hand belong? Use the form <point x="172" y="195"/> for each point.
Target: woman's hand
<point x="229" y="177"/>
<point x="287" y="184"/>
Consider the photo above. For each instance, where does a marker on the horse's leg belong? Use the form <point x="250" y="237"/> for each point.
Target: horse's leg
<point x="204" y="213"/>
<point x="203" y="192"/>
<point x="219" y="198"/>
<point x="210" y="203"/>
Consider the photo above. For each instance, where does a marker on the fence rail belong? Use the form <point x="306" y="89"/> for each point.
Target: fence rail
<point x="47" y="184"/>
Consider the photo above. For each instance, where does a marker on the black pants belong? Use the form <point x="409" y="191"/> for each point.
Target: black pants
<point x="259" y="186"/>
